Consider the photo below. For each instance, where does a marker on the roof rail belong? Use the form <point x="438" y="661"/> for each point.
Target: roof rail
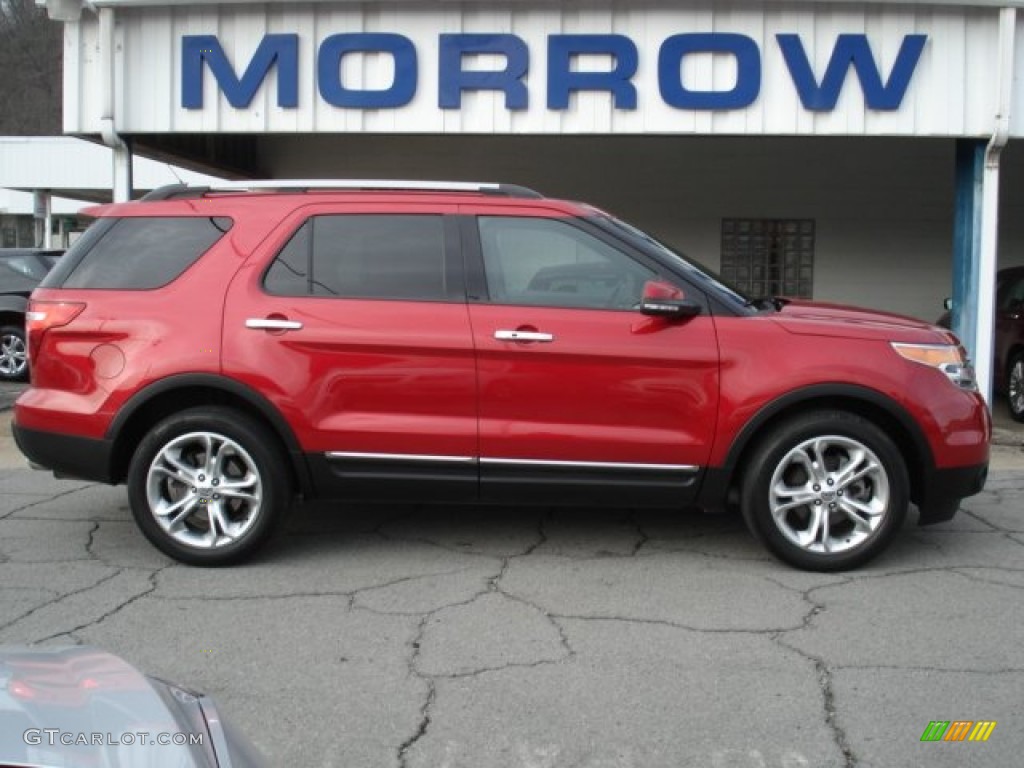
<point x="174" y="191"/>
<point x="302" y="185"/>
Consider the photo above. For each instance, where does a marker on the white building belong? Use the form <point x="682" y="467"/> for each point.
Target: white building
<point x="852" y="152"/>
<point x="18" y="227"/>
<point x="46" y="180"/>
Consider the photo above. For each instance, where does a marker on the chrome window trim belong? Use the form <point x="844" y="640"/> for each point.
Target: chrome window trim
<point x="400" y="457"/>
<point x="687" y="468"/>
<point x="690" y="468"/>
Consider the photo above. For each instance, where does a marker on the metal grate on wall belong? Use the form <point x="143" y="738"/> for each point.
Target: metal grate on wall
<point x="769" y="257"/>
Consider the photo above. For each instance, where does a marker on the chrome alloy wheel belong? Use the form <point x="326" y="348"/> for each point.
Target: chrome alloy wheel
<point x="829" y="494"/>
<point x="204" y="490"/>
<point x="1015" y="387"/>
<point x="13" y="357"/>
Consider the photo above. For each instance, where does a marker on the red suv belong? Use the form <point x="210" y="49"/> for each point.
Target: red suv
<point x="221" y="350"/>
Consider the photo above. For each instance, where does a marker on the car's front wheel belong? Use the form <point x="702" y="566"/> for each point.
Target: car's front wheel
<point x="1015" y="386"/>
<point x="826" y="491"/>
<point x="13" y="354"/>
<point x="208" y="486"/>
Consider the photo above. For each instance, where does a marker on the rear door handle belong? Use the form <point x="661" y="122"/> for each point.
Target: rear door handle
<point x="272" y="324"/>
<point x="523" y="336"/>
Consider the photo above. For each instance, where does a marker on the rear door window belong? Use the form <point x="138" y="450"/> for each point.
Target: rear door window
<point x="137" y="253"/>
<point x="365" y="256"/>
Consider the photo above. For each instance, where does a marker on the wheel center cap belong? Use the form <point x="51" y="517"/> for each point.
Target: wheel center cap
<point x="828" y="495"/>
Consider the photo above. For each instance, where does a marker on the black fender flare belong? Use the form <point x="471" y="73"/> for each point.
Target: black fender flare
<point x="229" y="386"/>
<point x="718" y="480"/>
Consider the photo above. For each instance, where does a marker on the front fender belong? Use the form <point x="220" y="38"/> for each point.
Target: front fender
<point x="872" y="403"/>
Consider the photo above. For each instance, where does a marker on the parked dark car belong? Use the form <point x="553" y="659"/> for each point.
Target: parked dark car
<point x="81" y="706"/>
<point x="1009" y="341"/>
<point x="21" y="270"/>
<point x="1008" y="347"/>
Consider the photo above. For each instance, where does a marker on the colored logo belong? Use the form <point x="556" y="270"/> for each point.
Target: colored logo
<point x="958" y="730"/>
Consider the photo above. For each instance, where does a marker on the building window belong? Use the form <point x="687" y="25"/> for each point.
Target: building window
<point x="769" y="257"/>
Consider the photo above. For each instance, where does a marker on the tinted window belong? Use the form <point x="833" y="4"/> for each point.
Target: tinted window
<point x="1011" y="294"/>
<point x="363" y="256"/>
<point x="551" y="263"/>
<point x="24" y="266"/>
<point x="81" y="246"/>
<point x="139" y="253"/>
<point x="290" y="274"/>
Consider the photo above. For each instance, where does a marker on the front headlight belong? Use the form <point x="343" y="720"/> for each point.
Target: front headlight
<point x="950" y="359"/>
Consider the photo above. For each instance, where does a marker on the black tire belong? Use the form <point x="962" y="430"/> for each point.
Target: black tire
<point x="782" y="461"/>
<point x="1015" y="386"/>
<point x="220" y="527"/>
<point x="13" y="356"/>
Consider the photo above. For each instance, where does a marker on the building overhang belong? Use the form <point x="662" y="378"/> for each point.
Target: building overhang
<point x="72" y="168"/>
<point x="139" y="3"/>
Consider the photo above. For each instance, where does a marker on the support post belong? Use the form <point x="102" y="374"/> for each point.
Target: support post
<point x="43" y="214"/>
<point x="970" y="162"/>
<point x="121" y="153"/>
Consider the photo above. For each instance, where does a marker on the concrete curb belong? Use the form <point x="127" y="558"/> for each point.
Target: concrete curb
<point x="1002" y="436"/>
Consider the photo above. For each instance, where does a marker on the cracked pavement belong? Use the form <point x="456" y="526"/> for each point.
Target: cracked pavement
<point x="429" y="637"/>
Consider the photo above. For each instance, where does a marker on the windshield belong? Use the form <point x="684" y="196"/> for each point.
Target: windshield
<point x="693" y="270"/>
<point x="24" y="265"/>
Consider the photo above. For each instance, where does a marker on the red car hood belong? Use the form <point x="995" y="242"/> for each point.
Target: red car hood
<point x="814" y="318"/>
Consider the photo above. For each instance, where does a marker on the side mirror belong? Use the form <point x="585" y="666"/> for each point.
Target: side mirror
<point x="665" y="300"/>
<point x="947" y="304"/>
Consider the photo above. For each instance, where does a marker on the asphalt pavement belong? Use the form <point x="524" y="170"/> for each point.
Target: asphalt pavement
<point x="449" y="637"/>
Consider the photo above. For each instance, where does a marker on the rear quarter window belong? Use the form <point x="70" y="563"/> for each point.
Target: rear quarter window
<point x="136" y="253"/>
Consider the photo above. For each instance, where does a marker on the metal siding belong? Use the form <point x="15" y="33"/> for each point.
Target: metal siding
<point x="1017" y="114"/>
<point x="950" y="94"/>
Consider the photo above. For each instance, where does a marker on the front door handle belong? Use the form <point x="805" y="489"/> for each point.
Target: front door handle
<point x="272" y="324"/>
<point x="523" y="336"/>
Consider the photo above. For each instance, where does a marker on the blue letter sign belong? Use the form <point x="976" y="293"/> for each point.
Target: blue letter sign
<point x="748" y="71"/>
<point x="851" y="50"/>
<point x="454" y="79"/>
<point x="562" y="79"/>
<point x="564" y="75"/>
<point x="333" y="50"/>
<point x="282" y="49"/>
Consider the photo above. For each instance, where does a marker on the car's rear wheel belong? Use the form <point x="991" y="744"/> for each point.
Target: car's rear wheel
<point x="13" y="354"/>
<point x="1015" y="386"/>
<point x="208" y="486"/>
<point x="826" y="491"/>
